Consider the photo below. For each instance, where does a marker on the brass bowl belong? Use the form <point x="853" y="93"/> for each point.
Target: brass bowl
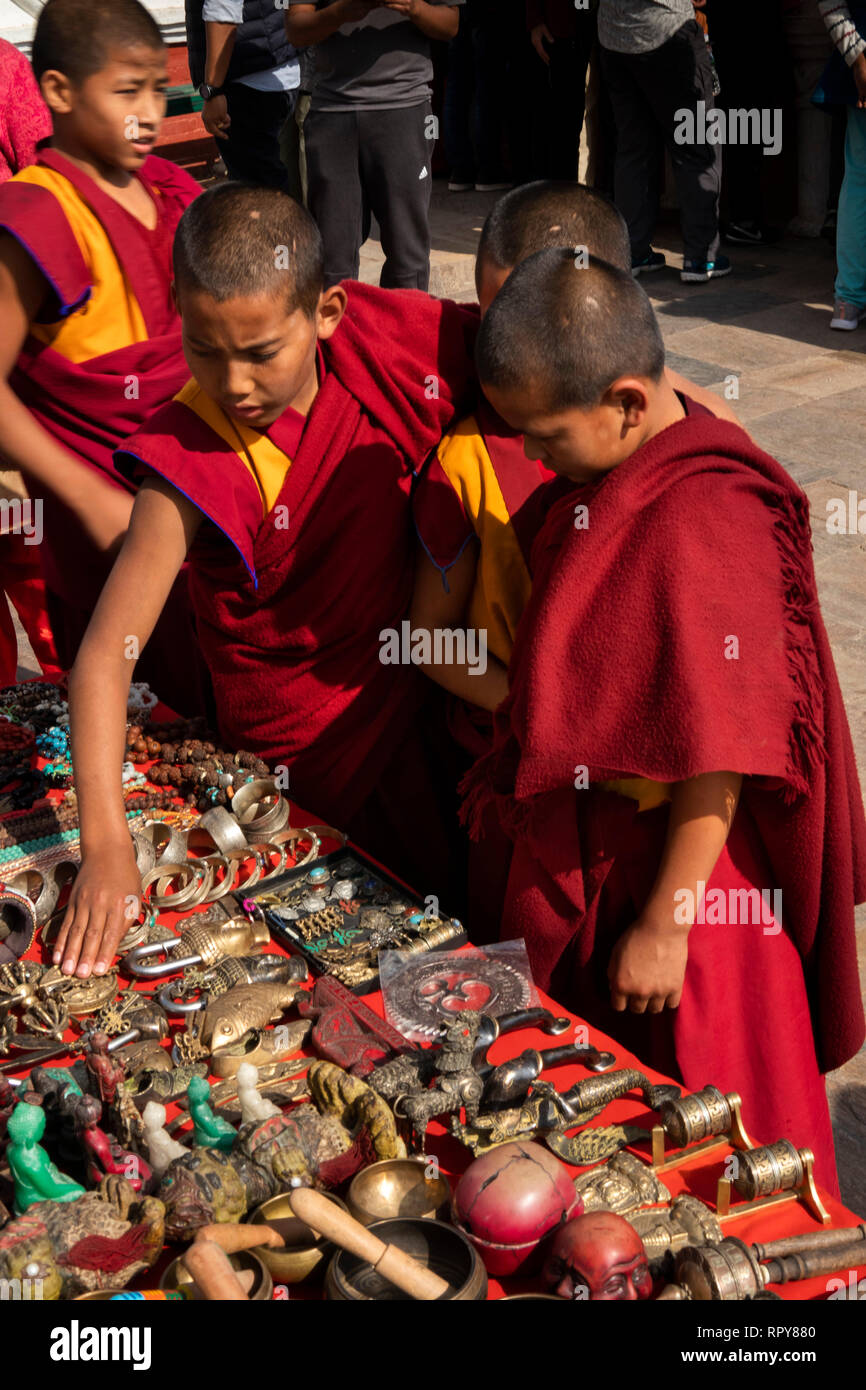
<point x="305" y="1252"/>
<point x="437" y="1246"/>
<point x="398" y="1187"/>
<point x="177" y="1276"/>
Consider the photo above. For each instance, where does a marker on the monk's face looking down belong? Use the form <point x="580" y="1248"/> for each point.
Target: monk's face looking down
<point x="114" y="116"/>
<point x="255" y="355"/>
<point x="581" y="444"/>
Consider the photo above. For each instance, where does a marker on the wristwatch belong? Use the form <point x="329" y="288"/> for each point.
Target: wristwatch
<point x="205" y="91"/>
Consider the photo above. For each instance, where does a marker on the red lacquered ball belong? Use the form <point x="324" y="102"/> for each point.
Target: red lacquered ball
<point x="510" y="1199"/>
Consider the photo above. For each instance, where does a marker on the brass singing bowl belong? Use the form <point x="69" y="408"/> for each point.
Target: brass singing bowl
<point x="305" y="1252"/>
<point x="398" y="1187"/>
<point x="439" y="1247"/>
<point x="177" y="1276"/>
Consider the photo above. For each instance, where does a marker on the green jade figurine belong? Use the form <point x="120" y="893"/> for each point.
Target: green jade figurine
<point x="35" y="1176"/>
<point x="210" y="1131"/>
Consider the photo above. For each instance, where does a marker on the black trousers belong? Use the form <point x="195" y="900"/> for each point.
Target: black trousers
<point x="251" y="151"/>
<point x="648" y="92"/>
<point x="560" y="89"/>
<point x="378" y="162"/>
<point x="749" y="78"/>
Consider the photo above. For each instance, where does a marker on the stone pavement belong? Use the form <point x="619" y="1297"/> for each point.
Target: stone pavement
<point x="802" y="395"/>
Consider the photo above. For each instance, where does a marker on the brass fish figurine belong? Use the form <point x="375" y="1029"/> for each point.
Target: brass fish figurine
<point x="246" y="1006"/>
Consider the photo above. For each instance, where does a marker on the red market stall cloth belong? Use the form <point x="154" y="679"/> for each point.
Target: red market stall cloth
<point x="698" y="1176"/>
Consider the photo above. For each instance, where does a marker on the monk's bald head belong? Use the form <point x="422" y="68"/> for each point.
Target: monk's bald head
<point x="567" y="326"/>
<point x="541" y="216"/>
<point x="241" y="241"/>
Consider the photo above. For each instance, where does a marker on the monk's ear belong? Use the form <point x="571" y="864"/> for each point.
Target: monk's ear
<point x="332" y="307"/>
<point x="174" y="299"/>
<point x="631" y="396"/>
<point x="57" y="92"/>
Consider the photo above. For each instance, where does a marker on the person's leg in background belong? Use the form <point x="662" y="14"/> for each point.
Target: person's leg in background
<point x="490" y="55"/>
<point x="673" y="79"/>
<point x="293" y="151"/>
<point x="334" y="197"/>
<point x="569" y="61"/>
<point x="810" y="48"/>
<point x="638" y="154"/>
<point x="600" y="129"/>
<point x="744" y="36"/>
<point x="396" y="155"/>
<point x="457" y="106"/>
<point x="251" y="152"/>
<point x="850" y="286"/>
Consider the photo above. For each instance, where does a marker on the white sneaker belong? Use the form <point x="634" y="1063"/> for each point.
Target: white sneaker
<point x="846" y="316"/>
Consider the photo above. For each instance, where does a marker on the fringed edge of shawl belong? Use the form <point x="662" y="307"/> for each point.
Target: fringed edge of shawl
<point x="806" y="751"/>
<point x="479" y="790"/>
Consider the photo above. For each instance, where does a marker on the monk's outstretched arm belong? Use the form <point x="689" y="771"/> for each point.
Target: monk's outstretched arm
<point x="483" y="682"/>
<point x="103" y="510"/>
<point x="104" y="897"/>
<point x="648" y="964"/>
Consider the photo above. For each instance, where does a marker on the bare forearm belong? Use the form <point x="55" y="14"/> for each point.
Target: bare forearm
<point x="306" y="26"/>
<point x="98" y="693"/>
<point x="220" y="47"/>
<point x="103" y="510"/>
<point x="436" y="21"/>
<point x="484" y="683"/>
<point x="701" y="815"/>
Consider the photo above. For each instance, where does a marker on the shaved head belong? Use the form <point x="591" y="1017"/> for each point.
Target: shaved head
<point x="545" y="215"/>
<point x="74" y="36"/>
<point x="569" y="327"/>
<point x="239" y="241"/>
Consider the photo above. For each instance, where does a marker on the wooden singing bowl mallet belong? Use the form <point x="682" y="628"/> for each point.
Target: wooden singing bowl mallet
<point x="207" y="1259"/>
<point x="213" y="1272"/>
<point x="390" y="1261"/>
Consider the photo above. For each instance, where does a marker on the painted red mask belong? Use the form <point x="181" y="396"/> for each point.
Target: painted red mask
<point x="600" y="1257"/>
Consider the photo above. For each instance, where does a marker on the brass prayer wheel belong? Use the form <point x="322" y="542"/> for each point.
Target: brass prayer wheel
<point x="696" y="1116"/>
<point x="772" y="1168"/>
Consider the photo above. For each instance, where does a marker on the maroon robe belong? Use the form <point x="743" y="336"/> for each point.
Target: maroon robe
<point x="291" y="616"/>
<point x="90" y="407"/>
<point x="679" y="633"/>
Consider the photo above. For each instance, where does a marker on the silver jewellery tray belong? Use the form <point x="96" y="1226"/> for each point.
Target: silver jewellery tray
<point x="341" y="910"/>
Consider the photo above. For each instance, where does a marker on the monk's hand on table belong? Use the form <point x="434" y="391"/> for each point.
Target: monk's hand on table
<point x="103" y="904"/>
<point x="648" y="966"/>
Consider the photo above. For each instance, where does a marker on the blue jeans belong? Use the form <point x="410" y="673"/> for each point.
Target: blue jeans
<point x="851" y="217"/>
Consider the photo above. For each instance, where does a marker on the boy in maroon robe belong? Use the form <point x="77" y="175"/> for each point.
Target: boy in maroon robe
<point x="673" y="639"/>
<point x="91" y="341"/>
<point x="284" y="469"/>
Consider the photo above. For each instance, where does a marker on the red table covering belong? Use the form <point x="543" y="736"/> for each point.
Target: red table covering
<point x="698" y="1177"/>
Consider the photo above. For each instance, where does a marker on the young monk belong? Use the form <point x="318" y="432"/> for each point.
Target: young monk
<point x="284" y="469"/>
<point x="673" y="635"/>
<point x="478" y="504"/>
<point x="91" y="340"/>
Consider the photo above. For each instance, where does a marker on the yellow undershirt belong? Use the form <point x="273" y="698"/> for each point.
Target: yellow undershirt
<point x="111" y="318"/>
<point x="266" y="464"/>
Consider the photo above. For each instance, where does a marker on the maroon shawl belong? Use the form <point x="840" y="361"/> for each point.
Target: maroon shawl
<point x="90" y="407"/>
<point x="697" y="547"/>
<point x="290" y="614"/>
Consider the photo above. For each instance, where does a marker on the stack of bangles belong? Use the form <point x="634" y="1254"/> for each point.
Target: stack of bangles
<point x="196" y="881"/>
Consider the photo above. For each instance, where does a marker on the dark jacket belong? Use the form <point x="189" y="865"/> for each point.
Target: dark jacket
<point x="261" y="42"/>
